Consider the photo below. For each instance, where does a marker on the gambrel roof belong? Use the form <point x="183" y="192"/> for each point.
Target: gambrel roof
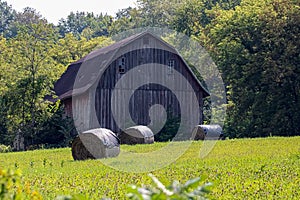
<point x="88" y="68"/>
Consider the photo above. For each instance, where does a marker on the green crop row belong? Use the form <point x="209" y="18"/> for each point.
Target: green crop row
<point x="239" y="169"/>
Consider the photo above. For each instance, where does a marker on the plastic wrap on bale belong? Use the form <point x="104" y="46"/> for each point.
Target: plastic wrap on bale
<point x="137" y="135"/>
<point x="95" y="144"/>
<point x="207" y="132"/>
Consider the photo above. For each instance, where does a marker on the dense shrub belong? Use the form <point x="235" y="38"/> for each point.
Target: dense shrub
<point x="4" y="148"/>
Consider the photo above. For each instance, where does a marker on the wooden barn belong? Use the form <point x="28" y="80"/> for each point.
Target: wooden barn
<point x="88" y="85"/>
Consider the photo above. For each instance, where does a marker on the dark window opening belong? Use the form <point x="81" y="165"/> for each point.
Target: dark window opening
<point x="121" y="67"/>
<point x="121" y="70"/>
<point x="171" y="66"/>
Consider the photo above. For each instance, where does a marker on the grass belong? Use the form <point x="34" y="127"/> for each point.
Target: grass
<point x="263" y="168"/>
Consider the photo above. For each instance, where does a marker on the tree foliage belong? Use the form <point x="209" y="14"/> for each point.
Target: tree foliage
<point x="31" y="61"/>
<point x="256" y="46"/>
<point x="85" y="23"/>
<point x="7" y="18"/>
<point x="192" y="15"/>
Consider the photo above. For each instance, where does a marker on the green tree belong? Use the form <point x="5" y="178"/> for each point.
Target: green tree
<point x="30" y="62"/>
<point x="125" y="19"/>
<point x="256" y="46"/>
<point x="30" y="56"/>
<point x="192" y="15"/>
<point x="71" y="48"/>
<point x="7" y="18"/>
<point x="79" y="22"/>
<point x="27" y="17"/>
<point x="4" y="66"/>
<point x="56" y="128"/>
<point x="148" y="13"/>
<point x="6" y="77"/>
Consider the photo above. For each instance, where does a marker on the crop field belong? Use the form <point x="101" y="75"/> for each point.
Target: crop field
<point x="239" y="169"/>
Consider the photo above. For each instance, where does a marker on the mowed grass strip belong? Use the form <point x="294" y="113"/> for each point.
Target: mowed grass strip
<point x="263" y="168"/>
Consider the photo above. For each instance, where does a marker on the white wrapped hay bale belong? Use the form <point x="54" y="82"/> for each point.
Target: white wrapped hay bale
<point x="207" y="132"/>
<point x="137" y="135"/>
<point x="95" y="144"/>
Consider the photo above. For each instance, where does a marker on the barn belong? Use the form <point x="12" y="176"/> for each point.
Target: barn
<point x="98" y="92"/>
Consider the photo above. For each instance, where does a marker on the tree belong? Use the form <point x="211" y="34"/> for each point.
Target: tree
<point x="71" y="48"/>
<point x="192" y="15"/>
<point x="28" y="17"/>
<point x="77" y="23"/>
<point x="148" y="13"/>
<point x="156" y="13"/>
<point x="7" y="18"/>
<point x="256" y="46"/>
<point x="6" y="77"/>
<point x="31" y="56"/>
<point x="56" y="129"/>
<point x="126" y="19"/>
<point x="30" y="62"/>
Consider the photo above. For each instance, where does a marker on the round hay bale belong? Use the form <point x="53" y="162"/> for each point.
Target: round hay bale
<point x="79" y="152"/>
<point x="208" y="132"/>
<point x="95" y="144"/>
<point x="137" y="135"/>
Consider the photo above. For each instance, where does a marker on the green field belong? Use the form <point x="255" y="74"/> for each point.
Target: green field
<point x="239" y="169"/>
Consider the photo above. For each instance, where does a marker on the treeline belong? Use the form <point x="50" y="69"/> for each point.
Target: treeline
<point x="34" y="54"/>
<point x="254" y="43"/>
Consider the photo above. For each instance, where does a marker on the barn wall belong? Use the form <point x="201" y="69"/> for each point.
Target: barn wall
<point x="148" y="56"/>
<point x="139" y="106"/>
<point x="81" y="107"/>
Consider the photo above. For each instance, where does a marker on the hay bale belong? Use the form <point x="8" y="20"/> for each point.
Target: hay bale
<point x="95" y="144"/>
<point x="137" y="135"/>
<point x="208" y="132"/>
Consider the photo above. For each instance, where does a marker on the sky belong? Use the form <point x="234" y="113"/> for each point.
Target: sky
<point x="54" y="10"/>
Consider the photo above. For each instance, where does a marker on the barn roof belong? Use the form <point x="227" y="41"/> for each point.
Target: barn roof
<point x="89" y="67"/>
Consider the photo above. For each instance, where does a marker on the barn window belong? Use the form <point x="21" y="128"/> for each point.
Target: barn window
<point x="171" y="66"/>
<point x="121" y="67"/>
